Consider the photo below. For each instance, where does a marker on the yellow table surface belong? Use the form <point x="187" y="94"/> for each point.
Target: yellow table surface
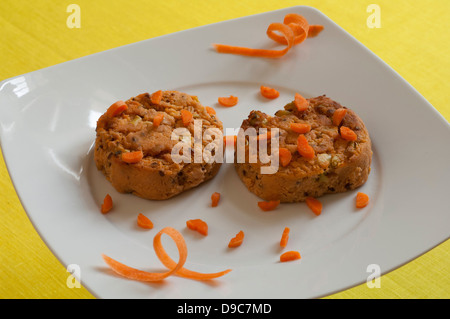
<point x="413" y="39"/>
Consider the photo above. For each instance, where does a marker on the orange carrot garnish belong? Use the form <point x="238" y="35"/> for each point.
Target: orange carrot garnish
<point x="158" y="119"/>
<point x="215" y="197"/>
<point x="228" y="101"/>
<point x="210" y="110"/>
<point x="186" y="117"/>
<point x="156" y="97"/>
<point x="362" y="200"/>
<point x="237" y="240"/>
<point x="132" y="157"/>
<point x="107" y="204"/>
<point x="315" y="205"/>
<point x="285" y="237"/>
<point x="314" y="30"/>
<point x="301" y="128"/>
<point x="289" y="256"/>
<point x="285" y="156"/>
<point x="348" y="134"/>
<point x="268" y="92"/>
<point x="144" y="222"/>
<point x="303" y="147"/>
<point x="338" y="116"/>
<point x="198" y="225"/>
<point x="116" y="108"/>
<point x="269" y="205"/>
<point x="300" y="102"/>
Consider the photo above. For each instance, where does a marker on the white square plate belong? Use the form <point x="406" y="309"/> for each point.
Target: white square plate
<point x="48" y="120"/>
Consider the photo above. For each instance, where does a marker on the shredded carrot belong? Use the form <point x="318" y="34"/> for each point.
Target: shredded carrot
<point x="268" y="92"/>
<point x="132" y="157"/>
<point x="158" y="119"/>
<point x="338" y="116"/>
<point x="237" y="240"/>
<point x="269" y="205"/>
<point x="198" y="225"/>
<point x="315" y="205"/>
<point x="210" y="110"/>
<point x="303" y="147"/>
<point x="301" y="128"/>
<point x="300" y="102"/>
<point x="285" y="156"/>
<point x="290" y="256"/>
<point x="228" y="101"/>
<point x="186" y="117"/>
<point x="230" y="140"/>
<point x="107" y="204"/>
<point x="285" y="237"/>
<point x="144" y="222"/>
<point x="314" y="30"/>
<point x="116" y="108"/>
<point x="348" y="134"/>
<point x="156" y="97"/>
<point x="215" y="197"/>
<point x="362" y="200"/>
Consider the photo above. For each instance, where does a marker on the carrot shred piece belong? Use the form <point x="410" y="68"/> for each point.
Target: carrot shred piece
<point x="228" y="101"/>
<point x="116" y="108"/>
<point x="338" y="116"/>
<point x="210" y="110"/>
<point x="285" y="237"/>
<point x="314" y="30"/>
<point x="285" y="156"/>
<point x="237" y="240"/>
<point x="230" y="140"/>
<point x="301" y="128"/>
<point x="215" y="198"/>
<point x="107" y="204"/>
<point x="186" y="117"/>
<point x="144" y="222"/>
<point x="198" y="225"/>
<point x="157" y="120"/>
<point x="290" y="256"/>
<point x="132" y="157"/>
<point x="300" y="102"/>
<point x="269" y="205"/>
<point x="268" y="92"/>
<point x="315" y="205"/>
<point x="362" y="200"/>
<point x="348" y="134"/>
<point x="156" y="97"/>
<point x="303" y="147"/>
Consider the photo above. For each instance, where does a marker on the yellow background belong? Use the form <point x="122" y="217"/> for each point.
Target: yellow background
<point x="413" y="39"/>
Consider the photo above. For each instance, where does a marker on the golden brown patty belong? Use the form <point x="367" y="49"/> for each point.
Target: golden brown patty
<point x="338" y="165"/>
<point x="156" y="176"/>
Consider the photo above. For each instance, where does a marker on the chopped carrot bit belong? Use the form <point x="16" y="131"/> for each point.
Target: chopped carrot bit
<point x="237" y="240"/>
<point x="338" y="116"/>
<point x="215" y="197"/>
<point x="198" y="225"/>
<point x="303" y="147"/>
<point x="264" y="137"/>
<point x="300" y="102"/>
<point x="315" y="205"/>
<point x="228" y="101"/>
<point x="158" y="119"/>
<point x="107" y="204"/>
<point x="348" y="134"/>
<point x="230" y="140"/>
<point x="314" y="30"/>
<point x="186" y="117"/>
<point x="268" y="92"/>
<point x="116" y="108"/>
<point x="362" y="200"/>
<point x="210" y="110"/>
<point x="285" y="237"/>
<point x="301" y="128"/>
<point x="290" y="256"/>
<point x="285" y="156"/>
<point x="269" y="205"/>
<point x="156" y="97"/>
<point x="132" y="157"/>
<point x="144" y="222"/>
